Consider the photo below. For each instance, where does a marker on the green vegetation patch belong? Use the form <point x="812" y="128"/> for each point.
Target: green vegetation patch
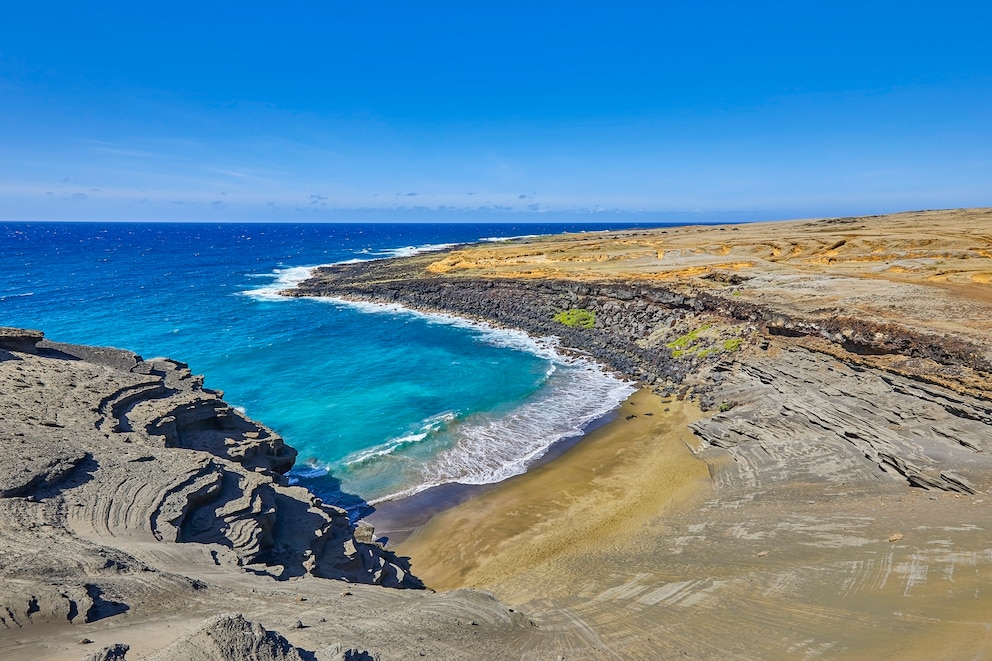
<point x="682" y="343"/>
<point x="707" y="340"/>
<point x="576" y="318"/>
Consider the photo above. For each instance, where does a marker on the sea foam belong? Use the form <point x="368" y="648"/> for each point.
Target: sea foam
<point x="282" y="279"/>
<point x="291" y="276"/>
<point x="410" y="251"/>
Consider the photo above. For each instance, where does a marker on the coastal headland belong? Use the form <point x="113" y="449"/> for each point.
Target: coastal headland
<point x="804" y="472"/>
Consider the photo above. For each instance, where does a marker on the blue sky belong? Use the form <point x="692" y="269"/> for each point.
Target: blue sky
<point x="460" y="111"/>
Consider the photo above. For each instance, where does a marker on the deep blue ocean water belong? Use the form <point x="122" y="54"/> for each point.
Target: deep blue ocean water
<point x="379" y="401"/>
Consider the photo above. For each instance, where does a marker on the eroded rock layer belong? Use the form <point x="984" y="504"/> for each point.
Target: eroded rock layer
<point x="108" y="456"/>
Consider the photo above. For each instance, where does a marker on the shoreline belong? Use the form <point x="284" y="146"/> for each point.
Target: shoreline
<point x="395" y="520"/>
<point x="597" y="493"/>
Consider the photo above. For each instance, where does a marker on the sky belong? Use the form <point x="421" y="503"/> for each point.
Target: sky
<point x="455" y="111"/>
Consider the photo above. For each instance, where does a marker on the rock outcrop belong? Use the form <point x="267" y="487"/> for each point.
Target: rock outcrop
<point x="805" y="416"/>
<point x="230" y="637"/>
<point x="107" y="458"/>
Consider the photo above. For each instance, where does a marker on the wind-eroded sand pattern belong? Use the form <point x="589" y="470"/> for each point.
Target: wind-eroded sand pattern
<point x="808" y="541"/>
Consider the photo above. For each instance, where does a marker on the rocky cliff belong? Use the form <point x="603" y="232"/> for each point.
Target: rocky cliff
<point x="107" y="456"/>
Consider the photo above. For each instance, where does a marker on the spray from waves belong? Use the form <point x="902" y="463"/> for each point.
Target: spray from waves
<point x="282" y="279"/>
<point x="501" y="239"/>
<point x="290" y="277"/>
<point x="410" y="251"/>
<point x="490" y="449"/>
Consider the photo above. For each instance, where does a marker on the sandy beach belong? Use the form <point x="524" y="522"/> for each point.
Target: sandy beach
<point x="621" y="548"/>
<point x="527" y="534"/>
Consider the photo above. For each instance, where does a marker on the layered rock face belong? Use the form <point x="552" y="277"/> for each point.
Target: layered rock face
<point x="109" y="460"/>
<point x="805" y="416"/>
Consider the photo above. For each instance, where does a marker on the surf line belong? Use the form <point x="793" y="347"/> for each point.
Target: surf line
<point x="496" y="449"/>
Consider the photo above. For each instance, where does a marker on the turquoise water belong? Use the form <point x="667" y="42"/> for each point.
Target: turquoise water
<point x="381" y="402"/>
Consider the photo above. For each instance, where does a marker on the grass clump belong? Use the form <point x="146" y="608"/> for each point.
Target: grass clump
<point x="705" y="341"/>
<point x="576" y="318"/>
<point x="682" y="343"/>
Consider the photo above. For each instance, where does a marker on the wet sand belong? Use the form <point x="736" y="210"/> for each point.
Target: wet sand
<point x="395" y="520"/>
<point x="598" y="495"/>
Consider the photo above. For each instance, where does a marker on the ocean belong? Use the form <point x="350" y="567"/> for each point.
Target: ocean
<point x="381" y="402"/>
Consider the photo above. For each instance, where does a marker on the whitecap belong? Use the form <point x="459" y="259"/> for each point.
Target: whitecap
<point x="410" y="251"/>
<point x="282" y="279"/>
<point x="9" y="296"/>
<point x="500" y="239"/>
<point x="370" y="454"/>
<point x="427" y="427"/>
